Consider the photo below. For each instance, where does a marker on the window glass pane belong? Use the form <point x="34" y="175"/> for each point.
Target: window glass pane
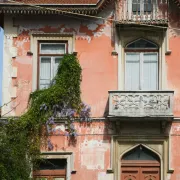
<point x="58" y="178"/>
<point x="132" y="71"/>
<point x="136" y="6"/>
<point x="45" y="72"/>
<point x="150" y="72"/>
<point x="40" y="178"/>
<point x="52" y="48"/>
<point x="140" y="153"/>
<point x="147" y="6"/>
<point x="142" y="44"/>
<point x="52" y="164"/>
<point x="56" y="64"/>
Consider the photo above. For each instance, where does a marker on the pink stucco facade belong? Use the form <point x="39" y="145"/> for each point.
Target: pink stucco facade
<point x="94" y="42"/>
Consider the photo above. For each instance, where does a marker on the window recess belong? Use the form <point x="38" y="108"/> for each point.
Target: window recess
<point x="141" y="66"/>
<point x="50" y="55"/>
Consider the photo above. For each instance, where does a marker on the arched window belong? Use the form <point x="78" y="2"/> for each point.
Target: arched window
<point x="141" y="65"/>
<point x="140" y="153"/>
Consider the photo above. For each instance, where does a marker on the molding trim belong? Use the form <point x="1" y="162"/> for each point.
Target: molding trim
<point x="39" y="36"/>
<point x="121" y="144"/>
<point x="69" y="156"/>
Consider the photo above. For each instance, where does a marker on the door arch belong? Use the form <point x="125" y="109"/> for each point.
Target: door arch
<point x="140" y="163"/>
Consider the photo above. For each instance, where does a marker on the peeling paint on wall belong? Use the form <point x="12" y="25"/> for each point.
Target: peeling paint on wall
<point x="93" y="154"/>
<point x="105" y="176"/>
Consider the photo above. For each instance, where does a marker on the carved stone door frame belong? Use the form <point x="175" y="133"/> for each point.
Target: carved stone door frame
<point x="122" y="144"/>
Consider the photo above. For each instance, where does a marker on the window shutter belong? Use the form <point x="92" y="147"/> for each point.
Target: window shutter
<point x="150" y="71"/>
<point x="132" y="80"/>
<point x="45" y="72"/>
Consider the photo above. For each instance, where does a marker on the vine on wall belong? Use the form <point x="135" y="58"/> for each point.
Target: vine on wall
<point x="22" y="138"/>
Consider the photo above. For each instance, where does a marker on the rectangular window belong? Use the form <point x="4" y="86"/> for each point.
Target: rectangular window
<point x="136" y="6"/>
<point x="51" y="169"/>
<point x="141" y="7"/>
<point x="50" y="55"/>
<point x="141" y="71"/>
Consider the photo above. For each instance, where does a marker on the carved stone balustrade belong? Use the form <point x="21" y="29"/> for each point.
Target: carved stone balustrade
<point x="141" y="103"/>
<point x="142" y="11"/>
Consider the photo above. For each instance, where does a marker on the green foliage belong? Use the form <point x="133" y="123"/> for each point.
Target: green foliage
<point x="22" y="138"/>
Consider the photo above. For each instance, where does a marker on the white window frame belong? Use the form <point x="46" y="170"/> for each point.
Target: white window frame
<point x="52" y="57"/>
<point x="141" y="64"/>
<point x="56" y="37"/>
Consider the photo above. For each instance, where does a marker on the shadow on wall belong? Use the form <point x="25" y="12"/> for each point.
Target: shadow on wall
<point x="174" y="16"/>
<point x="1" y="62"/>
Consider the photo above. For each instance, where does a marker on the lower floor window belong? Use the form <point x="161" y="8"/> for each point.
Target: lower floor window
<point x="51" y="169"/>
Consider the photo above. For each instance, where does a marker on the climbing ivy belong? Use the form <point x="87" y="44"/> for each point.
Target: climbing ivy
<point x="22" y="138"/>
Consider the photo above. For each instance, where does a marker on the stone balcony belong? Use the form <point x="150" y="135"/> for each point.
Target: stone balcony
<point x="142" y="11"/>
<point x="141" y="104"/>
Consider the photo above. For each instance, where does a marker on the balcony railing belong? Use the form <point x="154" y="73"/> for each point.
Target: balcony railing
<point x="141" y="103"/>
<point x="144" y="11"/>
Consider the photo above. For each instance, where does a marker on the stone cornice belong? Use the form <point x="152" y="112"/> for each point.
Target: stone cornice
<point x="13" y="8"/>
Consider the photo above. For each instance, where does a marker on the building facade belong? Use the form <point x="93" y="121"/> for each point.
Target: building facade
<point x="130" y="59"/>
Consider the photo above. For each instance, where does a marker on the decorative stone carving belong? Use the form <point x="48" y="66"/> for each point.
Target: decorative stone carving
<point x="140" y="103"/>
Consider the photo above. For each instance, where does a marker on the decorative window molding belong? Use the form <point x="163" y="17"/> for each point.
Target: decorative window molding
<point x="56" y="37"/>
<point x="69" y="156"/>
<point x="158" y="37"/>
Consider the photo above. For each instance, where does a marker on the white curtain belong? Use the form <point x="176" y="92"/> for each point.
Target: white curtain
<point x="150" y="71"/>
<point x="132" y="75"/>
<point x="45" y="72"/>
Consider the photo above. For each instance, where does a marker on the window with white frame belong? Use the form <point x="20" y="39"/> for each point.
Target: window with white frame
<point x="50" y="55"/>
<point x="141" y="65"/>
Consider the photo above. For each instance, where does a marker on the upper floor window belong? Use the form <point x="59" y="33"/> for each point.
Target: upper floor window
<point x="141" y="6"/>
<point x="141" y="65"/>
<point x="50" y="55"/>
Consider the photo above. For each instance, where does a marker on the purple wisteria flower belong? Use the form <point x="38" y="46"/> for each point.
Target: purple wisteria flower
<point x="50" y="145"/>
<point x="85" y="112"/>
<point x="50" y="120"/>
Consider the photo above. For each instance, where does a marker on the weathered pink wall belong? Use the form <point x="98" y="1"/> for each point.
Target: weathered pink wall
<point x="173" y="70"/>
<point x="94" y="46"/>
<point x="93" y="42"/>
<point x="91" y="150"/>
<point x="173" y="79"/>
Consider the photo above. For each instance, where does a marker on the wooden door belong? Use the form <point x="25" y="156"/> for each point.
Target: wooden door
<point x="129" y="173"/>
<point x="149" y="173"/>
<point x="140" y="173"/>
